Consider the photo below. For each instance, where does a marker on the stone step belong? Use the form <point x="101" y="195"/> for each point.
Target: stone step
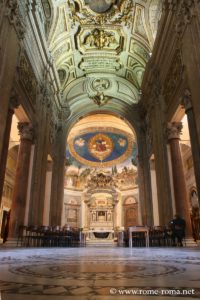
<point x="101" y="243"/>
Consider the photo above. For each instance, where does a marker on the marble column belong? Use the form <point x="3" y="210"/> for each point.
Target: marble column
<point x="154" y="193"/>
<point x="195" y="147"/>
<point x="47" y="193"/>
<point x="21" y="180"/>
<point x="6" y="139"/>
<point x="180" y="192"/>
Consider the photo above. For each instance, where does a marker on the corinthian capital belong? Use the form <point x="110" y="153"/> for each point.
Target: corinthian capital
<point x="174" y="130"/>
<point x="25" y="131"/>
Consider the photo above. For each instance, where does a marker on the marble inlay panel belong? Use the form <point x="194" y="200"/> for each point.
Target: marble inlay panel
<point x="93" y="273"/>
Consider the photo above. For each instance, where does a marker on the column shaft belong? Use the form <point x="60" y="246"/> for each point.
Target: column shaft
<point x="180" y="192"/>
<point x="21" y="181"/>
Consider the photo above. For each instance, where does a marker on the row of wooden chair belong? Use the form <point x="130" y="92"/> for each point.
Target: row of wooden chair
<point x="49" y="236"/>
<point x="159" y="236"/>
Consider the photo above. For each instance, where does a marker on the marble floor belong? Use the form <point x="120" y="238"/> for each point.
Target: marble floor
<point x="99" y="273"/>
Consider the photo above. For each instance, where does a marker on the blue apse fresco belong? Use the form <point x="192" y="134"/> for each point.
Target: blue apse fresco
<point x="82" y="145"/>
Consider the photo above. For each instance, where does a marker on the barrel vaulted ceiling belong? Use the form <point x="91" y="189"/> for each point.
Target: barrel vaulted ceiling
<point x="100" y="49"/>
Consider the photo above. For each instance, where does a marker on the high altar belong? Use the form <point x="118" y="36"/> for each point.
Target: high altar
<point x="101" y="203"/>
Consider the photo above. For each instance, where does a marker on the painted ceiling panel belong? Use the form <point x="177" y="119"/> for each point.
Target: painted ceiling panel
<point x="108" y="40"/>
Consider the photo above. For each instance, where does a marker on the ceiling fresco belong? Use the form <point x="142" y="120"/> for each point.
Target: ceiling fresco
<point x="100" y="49"/>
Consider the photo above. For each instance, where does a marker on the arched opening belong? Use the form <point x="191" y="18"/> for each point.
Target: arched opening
<point x="101" y="173"/>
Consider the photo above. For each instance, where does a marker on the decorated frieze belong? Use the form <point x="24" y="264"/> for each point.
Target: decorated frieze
<point x="27" y="78"/>
<point x="173" y="77"/>
<point x="15" y="17"/>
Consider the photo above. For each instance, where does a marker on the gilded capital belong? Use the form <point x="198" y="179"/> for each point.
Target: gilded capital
<point x="174" y="130"/>
<point x="25" y="131"/>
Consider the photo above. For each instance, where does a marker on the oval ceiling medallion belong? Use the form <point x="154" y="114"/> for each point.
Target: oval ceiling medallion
<point x="99" y="149"/>
<point x="100" y="6"/>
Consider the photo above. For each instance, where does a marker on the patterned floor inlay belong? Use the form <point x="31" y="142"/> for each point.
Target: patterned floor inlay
<point x="90" y="273"/>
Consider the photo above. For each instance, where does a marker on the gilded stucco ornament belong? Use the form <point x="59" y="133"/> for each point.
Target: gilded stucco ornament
<point x="100" y="99"/>
<point x="96" y="90"/>
<point x="100" y="39"/>
<point x="115" y="14"/>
